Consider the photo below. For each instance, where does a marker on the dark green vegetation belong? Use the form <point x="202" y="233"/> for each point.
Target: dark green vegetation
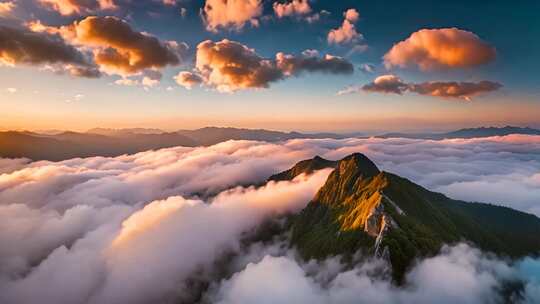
<point x="359" y="204"/>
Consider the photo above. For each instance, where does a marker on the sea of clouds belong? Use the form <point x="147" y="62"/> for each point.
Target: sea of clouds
<point x="145" y="228"/>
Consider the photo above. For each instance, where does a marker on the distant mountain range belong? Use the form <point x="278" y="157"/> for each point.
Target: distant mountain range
<point x="466" y="133"/>
<point x="362" y="208"/>
<point x="56" y="145"/>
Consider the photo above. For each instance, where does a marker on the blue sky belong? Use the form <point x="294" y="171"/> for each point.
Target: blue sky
<point x="305" y="101"/>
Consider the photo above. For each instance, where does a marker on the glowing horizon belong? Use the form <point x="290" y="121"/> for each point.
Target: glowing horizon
<point x="318" y="66"/>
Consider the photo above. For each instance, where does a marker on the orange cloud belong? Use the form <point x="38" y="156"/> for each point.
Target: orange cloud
<point x="118" y="48"/>
<point x="346" y="33"/>
<point x="386" y="84"/>
<point x="188" y="79"/>
<point x="78" y="7"/>
<point x="231" y="13"/>
<point x="7" y="7"/>
<point x="229" y="66"/>
<point x="21" y="46"/>
<point x="430" y="49"/>
<point x="122" y="50"/>
<point x="462" y="90"/>
<point x="295" y="7"/>
<point x="352" y="15"/>
<point x="451" y="89"/>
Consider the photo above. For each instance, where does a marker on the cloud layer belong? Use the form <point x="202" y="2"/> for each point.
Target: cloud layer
<point x="83" y="223"/>
<point x="129" y="229"/>
<point x="459" y="274"/>
<point x="430" y="49"/>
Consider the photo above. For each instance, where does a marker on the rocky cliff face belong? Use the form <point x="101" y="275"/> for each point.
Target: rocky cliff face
<point x="361" y="208"/>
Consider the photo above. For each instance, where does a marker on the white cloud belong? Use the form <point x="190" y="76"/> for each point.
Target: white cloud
<point x="459" y="274"/>
<point x="129" y="228"/>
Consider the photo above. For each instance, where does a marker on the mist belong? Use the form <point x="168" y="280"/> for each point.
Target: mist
<point x="139" y="228"/>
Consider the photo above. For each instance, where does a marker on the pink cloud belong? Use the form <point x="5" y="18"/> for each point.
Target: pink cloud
<point x="293" y="8"/>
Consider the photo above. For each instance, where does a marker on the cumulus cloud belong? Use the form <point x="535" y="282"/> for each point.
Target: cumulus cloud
<point x="293" y="8"/>
<point x="386" y="84"/>
<point x="21" y="46"/>
<point x="310" y="61"/>
<point x="450" y="89"/>
<point x="78" y="7"/>
<point x="463" y="90"/>
<point x="122" y="50"/>
<point x="129" y="228"/>
<point x="118" y="48"/>
<point x="188" y="79"/>
<point x="430" y="49"/>
<point x="346" y="33"/>
<point x="229" y="66"/>
<point x="7" y="7"/>
<point x="231" y="14"/>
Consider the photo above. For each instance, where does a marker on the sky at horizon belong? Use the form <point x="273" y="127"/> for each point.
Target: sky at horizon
<point x="394" y="65"/>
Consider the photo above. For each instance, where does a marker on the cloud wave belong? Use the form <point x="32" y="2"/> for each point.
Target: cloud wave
<point x="129" y="228"/>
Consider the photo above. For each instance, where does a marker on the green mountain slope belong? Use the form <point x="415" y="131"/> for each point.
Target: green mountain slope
<point x="362" y="208"/>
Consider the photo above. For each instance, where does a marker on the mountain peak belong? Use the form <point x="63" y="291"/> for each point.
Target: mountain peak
<point x="362" y="208"/>
<point x="359" y="163"/>
<point x="307" y="166"/>
<point x="349" y="176"/>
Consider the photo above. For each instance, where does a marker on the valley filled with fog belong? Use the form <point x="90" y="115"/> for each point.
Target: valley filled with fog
<point x="174" y="225"/>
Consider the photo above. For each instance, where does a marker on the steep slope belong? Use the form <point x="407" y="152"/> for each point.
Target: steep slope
<point x="362" y="208"/>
